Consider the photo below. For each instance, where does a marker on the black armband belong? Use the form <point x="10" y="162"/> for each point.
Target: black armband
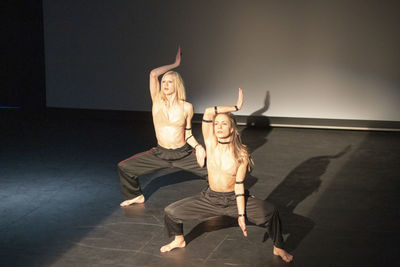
<point x="187" y="129"/>
<point x="207" y="121"/>
<point x="239" y="182"/>
<point x="196" y="146"/>
<point x="241" y="215"/>
<point x="216" y="110"/>
<point x="189" y="137"/>
<point x="239" y="195"/>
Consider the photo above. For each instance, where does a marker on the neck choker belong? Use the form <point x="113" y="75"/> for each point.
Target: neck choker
<point x="224" y="143"/>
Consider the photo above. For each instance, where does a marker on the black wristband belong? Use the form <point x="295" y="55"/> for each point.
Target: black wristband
<point x="236" y="108"/>
<point x="241" y="215"/>
<point x="196" y="146"/>
<point x="216" y="110"/>
<point x="239" y="182"/>
<point x="187" y="129"/>
<point x="239" y="195"/>
<point x="207" y="121"/>
<point x="189" y="137"/>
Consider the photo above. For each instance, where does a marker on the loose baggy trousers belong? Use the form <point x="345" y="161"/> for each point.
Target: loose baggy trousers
<point x="209" y="204"/>
<point x="155" y="159"/>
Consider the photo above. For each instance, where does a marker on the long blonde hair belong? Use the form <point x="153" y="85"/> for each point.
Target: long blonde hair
<point x="240" y="151"/>
<point x="180" y="93"/>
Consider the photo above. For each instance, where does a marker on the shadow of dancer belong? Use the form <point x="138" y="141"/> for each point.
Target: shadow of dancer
<point x="257" y="127"/>
<point x="297" y="186"/>
<point x="254" y="135"/>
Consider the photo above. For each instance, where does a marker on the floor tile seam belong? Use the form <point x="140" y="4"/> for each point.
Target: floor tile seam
<point x="81" y="244"/>
<point x="216" y="248"/>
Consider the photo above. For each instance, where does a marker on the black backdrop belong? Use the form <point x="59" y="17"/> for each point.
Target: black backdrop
<point x="22" y="72"/>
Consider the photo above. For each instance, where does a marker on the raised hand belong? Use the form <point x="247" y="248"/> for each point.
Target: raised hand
<point x="239" y="103"/>
<point x="178" y="56"/>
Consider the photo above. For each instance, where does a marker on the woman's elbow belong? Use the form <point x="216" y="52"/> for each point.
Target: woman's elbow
<point x="153" y="74"/>
<point x="209" y="111"/>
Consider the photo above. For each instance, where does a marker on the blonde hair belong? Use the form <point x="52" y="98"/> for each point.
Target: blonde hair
<point x="240" y="151"/>
<point x="180" y="93"/>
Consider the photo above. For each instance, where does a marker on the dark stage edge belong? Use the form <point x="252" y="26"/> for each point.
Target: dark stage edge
<point x="337" y="192"/>
<point x="251" y="120"/>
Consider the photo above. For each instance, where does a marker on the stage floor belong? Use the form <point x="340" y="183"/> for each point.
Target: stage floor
<point x="337" y="192"/>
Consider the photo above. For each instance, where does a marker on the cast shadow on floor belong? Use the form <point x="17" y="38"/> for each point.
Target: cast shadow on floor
<point x="175" y="176"/>
<point x="301" y="182"/>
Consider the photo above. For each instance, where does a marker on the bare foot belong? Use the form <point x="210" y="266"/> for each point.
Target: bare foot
<point x="283" y="254"/>
<point x="136" y="200"/>
<point x="177" y="243"/>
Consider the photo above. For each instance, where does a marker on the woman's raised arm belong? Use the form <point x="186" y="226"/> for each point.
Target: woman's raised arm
<point x="155" y="73"/>
<point x="211" y="112"/>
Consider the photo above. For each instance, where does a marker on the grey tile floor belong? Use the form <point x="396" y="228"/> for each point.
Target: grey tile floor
<point x="337" y="192"/>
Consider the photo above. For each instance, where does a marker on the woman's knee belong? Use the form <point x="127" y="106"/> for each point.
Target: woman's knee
<point x="175" y="210"/>
<point x="263" y="212"/>
<point x="170" y="210"/>
<point x="121" y="166"/>
<point x="127" y="168"/>
<point x="269" y="209"/>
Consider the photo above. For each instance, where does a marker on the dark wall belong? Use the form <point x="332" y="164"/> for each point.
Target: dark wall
<point x="22" y="70"/>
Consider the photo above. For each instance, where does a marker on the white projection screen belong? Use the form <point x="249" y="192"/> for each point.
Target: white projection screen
<point x="308" y="59"/>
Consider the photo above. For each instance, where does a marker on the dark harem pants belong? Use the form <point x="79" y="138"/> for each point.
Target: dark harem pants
<point x="209" y="204"/>
<point x="155" y="159"/>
